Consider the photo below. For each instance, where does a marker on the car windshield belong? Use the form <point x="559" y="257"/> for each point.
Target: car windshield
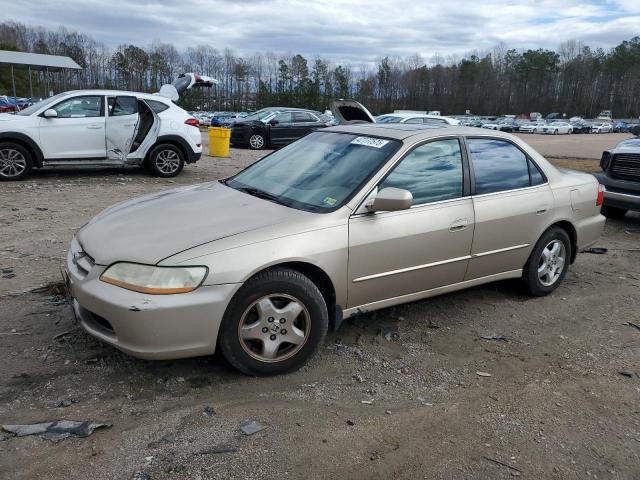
<point x="388" y="119"/>
<point x="319" y="172"/>
<point x="43" y="103"/>
<point x="260" y="114"/>
<point x="634" y="142"/>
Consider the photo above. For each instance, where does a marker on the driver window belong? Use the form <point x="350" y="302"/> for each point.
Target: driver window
<point x="80" y="107"/>
<point x="432" y="172"/>
<point x="414" y="120"/>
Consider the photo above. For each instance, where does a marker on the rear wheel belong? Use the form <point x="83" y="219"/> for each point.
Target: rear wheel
<point x="15" y="161"/>
<point x="274" y="323"/>
<point x="166" y="160"/>
<point x="613" y="212"/>
<point x="548" y="262"/>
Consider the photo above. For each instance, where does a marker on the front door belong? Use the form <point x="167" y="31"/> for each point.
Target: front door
<point x="512" y="201"/>
<point x="427" y="246"/>
<point x="78" y="130"/>
<point x="122" y="125"/>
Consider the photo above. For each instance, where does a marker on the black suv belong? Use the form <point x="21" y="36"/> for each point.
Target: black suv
<point x="621" y="177"/>
<point x="275" y="126"/>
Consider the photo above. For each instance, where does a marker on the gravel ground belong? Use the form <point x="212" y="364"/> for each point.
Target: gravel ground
<point x="392" y="394"/>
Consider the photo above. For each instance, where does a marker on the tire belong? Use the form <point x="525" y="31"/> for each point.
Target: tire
<point x="555" y="132"/>
<point x="259" y="303"/>
<point x="541" y="282"/>
<point x="15" y="161"/>
<point x="613" y="212"/>
<point x="257" y="141"/>
<point x="165" y="160"/>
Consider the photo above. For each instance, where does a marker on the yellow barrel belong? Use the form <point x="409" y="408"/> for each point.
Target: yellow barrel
<point x="219" y="139"/>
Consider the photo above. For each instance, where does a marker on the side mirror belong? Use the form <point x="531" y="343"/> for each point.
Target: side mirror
<point x="391" y="199"/>
<point x="50" y="113"/>
<point x="273" y="122"/>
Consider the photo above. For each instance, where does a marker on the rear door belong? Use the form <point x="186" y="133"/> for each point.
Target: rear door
<point x="512" y="201"/>
<point x="122" y="126"/>
<point x="304" y="123"/>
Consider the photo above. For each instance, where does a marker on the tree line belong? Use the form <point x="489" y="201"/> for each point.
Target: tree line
<point x="575" y="79"/>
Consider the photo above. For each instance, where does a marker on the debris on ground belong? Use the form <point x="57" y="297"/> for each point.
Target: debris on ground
<point x="65" y="402"/>
<point x="498" y="462"/>
<point x="56" y="431"/>
<point x="358" y="378"/>
<point x="483" y="374"/>
<point x="596" y="250"/>
<point x="141" y="476"/>
<point x="216" y="450"/>
<point x="631" y="324"/>
<point x="351" y="423"/>
<point x="208" y="411"/>
<point x="500" y="338"/>
<point x="251" y="426"/>
<point x="626" y="373"/>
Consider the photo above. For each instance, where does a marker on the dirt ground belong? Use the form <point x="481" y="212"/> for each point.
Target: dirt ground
<point x="392" y="394"/>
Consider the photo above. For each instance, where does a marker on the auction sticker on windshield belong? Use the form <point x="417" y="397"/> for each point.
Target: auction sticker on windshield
<point x="369" y="142"/>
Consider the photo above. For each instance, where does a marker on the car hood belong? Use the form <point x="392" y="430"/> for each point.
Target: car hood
<point x="6" y="117"/>
<point x="153" y="227"/>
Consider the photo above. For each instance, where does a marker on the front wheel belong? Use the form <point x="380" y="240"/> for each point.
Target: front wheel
<point x="257" y="141"/>
<point x="548" y="263"/>
<point x="274" y="323"/>
<point x="15" y="161"/>
<point x="166" y="160"/>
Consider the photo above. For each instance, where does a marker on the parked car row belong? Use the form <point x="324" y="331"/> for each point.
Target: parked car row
<point x="217" y="119"/>
<point x="553" y="127"/>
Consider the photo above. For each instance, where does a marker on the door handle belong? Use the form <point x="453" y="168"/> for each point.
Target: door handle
<point x="541" y="211"/>
<point x="94" y="127"/>
<point x="459" y="225"/>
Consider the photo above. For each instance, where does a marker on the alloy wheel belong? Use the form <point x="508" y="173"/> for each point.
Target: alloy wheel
<point x="274" y="328"/>
<point x="168" y="161"/>
<point x="12" y="163"/>
<point x="551" y="263"/>
<point x="256" y="141"/>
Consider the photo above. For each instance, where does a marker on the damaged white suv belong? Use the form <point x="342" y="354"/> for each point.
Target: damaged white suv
<point x="102" y="128"/>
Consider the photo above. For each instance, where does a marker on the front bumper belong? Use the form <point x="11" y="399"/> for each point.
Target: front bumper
<point x="619" y="193"/>
<point x="153" y="327"/>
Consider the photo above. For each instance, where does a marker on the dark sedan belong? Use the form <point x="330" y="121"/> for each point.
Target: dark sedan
<point x="581" y="126"/>
<point x="275" y="126"/>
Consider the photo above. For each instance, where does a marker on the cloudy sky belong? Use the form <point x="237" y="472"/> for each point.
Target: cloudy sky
<point x="343" y="30"/>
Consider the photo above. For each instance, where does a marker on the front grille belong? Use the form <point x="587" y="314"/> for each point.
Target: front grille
<point x="626" y="166"/>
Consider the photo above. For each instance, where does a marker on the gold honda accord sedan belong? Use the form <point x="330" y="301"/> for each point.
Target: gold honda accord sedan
<point x="348" y="219"/>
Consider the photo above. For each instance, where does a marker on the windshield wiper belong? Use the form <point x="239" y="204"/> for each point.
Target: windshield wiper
<point x="262" y="194"/>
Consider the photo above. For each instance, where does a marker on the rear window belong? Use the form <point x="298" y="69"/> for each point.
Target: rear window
<point x="498" y="165"/>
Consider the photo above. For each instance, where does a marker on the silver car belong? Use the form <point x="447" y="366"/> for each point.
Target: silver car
<point x="349" y="219"/>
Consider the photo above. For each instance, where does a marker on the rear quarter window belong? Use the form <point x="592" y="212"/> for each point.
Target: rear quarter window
<point x="157" y="106"/>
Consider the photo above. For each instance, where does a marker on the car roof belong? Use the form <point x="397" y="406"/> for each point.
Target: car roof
<point x="151" y="96"/>
<point x="403" y="131"/>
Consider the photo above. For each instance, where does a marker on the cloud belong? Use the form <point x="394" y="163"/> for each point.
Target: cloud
<point x="353" y="31"/>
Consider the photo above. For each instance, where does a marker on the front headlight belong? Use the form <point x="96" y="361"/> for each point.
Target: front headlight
<point x="154" y="280"/>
